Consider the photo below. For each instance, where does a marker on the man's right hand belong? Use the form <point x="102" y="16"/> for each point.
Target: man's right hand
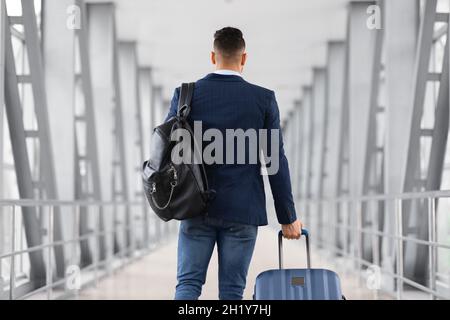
<point x="293" y="230"/>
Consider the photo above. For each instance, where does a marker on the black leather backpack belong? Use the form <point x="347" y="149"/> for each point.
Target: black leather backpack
<point x="176" y="191"/>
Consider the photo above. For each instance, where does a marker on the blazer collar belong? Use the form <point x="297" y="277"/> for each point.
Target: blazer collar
<point x="222" y="77"/>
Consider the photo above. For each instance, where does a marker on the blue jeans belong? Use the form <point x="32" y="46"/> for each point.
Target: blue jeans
<point x="197" y="238"/>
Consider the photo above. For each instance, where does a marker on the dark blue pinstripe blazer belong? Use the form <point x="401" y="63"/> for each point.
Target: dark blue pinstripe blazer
<point x="229" y="102"/>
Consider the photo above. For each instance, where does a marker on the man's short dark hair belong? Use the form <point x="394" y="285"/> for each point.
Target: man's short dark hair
<point x="229" y="42"/>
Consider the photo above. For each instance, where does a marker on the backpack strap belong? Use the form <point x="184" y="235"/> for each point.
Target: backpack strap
<point x="184" y="102"/>
<point x="184" y="108"/>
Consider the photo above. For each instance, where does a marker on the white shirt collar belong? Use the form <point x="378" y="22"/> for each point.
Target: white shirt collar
<point x="226" y="72"/>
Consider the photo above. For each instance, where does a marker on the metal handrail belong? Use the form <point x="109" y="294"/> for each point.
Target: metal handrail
<point x="392" y="274"/>
<point x="401" y="196"/>
<point x="356" y="230"/>
<point x="127" y="253"/>
<point x="82" y="203"/>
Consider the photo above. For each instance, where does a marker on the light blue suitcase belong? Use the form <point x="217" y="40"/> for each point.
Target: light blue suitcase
<point x="297" y="284"/>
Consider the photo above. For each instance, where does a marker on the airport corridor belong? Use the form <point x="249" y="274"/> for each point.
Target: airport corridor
<point x="154" y="276"/>
<point x="359" y="91"/>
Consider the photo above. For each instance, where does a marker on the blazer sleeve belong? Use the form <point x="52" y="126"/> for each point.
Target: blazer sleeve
<point x="173" y="105"/>
<point x="280" y="182"/>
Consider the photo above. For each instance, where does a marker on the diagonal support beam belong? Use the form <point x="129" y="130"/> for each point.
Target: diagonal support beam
<point x="334" y="97"/>
<point x="421" y="174"/>
<point x="361" y="49"/>
<point x="47" y="156"/>
<point x="319" y="144"/>
<point x="88" y="185"/>
<point x="107" y="111"/>
<point x="145" y="85"/>
<point x="14" y="115"/>
<point x="402" y="25"/>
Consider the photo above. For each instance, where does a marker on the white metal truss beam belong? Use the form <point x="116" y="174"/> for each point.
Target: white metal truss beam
<point x="308" y="150"/>
<point x="371" y="213"/>
<point x="320" y="130"/>
<point x="132" y="126"/>
<point x="342" y="179"/>
<point x="420" y="80"/>
<point x="58" y="58"/>
<point x="128" y="65"/>
<point x="439" y="134"/>
<point x="354" y="117"/>
<point x="374" y="153"/>
<point x="297" y="160"/>
<point x="101" y="30"/>
<point x="307" y="101"/>
<point x="319" y="144"/>
<point x="145" y="90"/>
<point x="424" y="175"/>
<point x="361" y="42"/>
<point x="156" y="105"/>
<point x="47" y="156"/>
<point x="333" y="101"/>
<point x="88" y="181"/>
<point x="2" y="112"/>
<point x="335" y="89"/>
<point x="156" y="119"/>
<point x="401" y="25"/>
<point x="289" y="137"/>
<point x="107" y="111"/>
<point x="2" y="91"/>
<point x="16" y="126"/>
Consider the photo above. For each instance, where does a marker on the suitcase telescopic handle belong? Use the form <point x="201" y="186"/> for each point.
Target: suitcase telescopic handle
<point x="280" y="248"/>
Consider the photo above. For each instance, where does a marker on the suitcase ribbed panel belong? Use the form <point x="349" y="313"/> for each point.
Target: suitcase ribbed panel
<point x="298" y="284"/>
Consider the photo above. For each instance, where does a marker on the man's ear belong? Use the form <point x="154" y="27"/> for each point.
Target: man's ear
<point x="213" y="58"/>
<point x="243" y="59"/>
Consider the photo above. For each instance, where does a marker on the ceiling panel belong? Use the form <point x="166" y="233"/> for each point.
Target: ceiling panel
<point x="285" y="39"/>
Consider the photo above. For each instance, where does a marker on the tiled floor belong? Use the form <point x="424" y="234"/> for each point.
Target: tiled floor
<point x="153" y="277"/>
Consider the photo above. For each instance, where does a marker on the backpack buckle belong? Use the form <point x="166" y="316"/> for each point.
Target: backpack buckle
<point x="183" y="112"/>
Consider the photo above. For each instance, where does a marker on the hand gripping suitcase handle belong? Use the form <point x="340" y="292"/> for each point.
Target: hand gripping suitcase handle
<point x="280" y="248"/>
